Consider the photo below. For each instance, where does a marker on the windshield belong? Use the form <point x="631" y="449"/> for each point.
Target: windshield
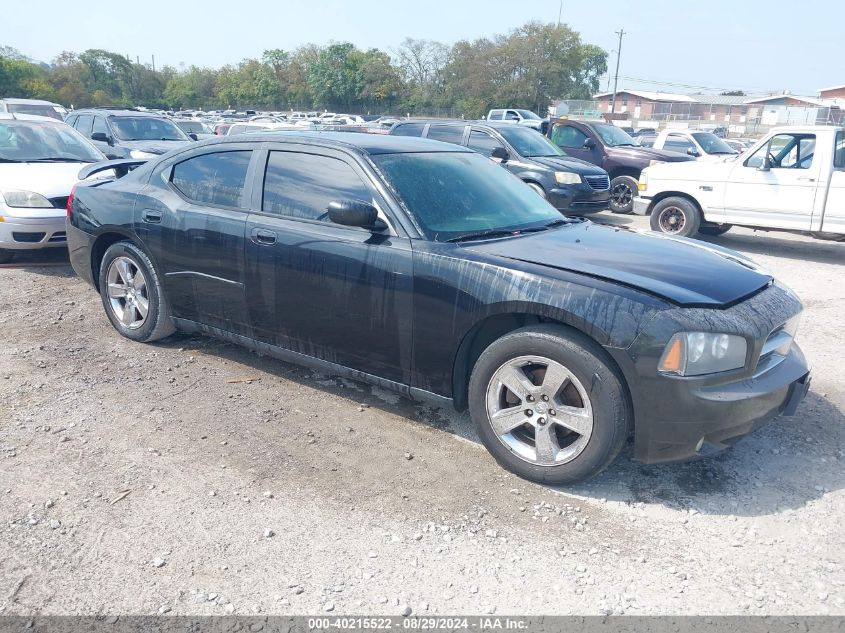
<point x="455" y="193"/>
<point x="612" y="136"/>
<point x="23" y="141"/>
<point x="712" y="144"/>
<point x="527" y="114"/>
<point x="39" y="109"/>
<point x="138" y="128"/>
<point x="528" y="142"/>
<point x="191" y="126"/>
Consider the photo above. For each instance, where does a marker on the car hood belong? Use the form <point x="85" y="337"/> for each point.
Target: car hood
<point x="683" y="271"/>
<point x="568" y="163"/>
<point x="648" y="153"/>
<point x="154" y="147"/>
<point x="51" y="180"/>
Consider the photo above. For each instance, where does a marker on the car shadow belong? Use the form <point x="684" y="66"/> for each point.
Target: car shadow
<point x="53" y="262"/>
<point x="782" y="466"/>
<point x="611" y="219"/>
<point x="762" y="243"/>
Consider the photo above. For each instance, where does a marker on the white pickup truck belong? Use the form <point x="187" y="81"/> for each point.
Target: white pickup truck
<point x="699" y="144"/>
<point x="791" y="180"/>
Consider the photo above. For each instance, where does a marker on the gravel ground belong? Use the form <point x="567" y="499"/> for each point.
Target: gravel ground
<point x="144" y="479"/>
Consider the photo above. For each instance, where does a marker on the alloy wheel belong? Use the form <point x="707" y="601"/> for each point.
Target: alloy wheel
<point x="128" y="293"/>
<point x="621" y="195"/>
<point x="539" y="410"/>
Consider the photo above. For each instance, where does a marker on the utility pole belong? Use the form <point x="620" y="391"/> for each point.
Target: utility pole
<point x="154" y="63"/>
<point x="559" y="13"/>
<point x="608" y="75"/>
<point x="620" y="33"/>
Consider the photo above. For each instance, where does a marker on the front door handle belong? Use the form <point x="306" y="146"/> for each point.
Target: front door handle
<point x="263" y="236"/>
<point x="151" y="217"/>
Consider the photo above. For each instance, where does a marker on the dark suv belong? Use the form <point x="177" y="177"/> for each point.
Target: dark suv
<point x="611" y="148"/>
<point x="573" y="186"/>
<point x="128" y="133"/>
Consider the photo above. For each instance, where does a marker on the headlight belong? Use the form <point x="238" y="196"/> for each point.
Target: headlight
<point x="567" y="178"/>
<point x="651" y="163"/>
<point x="698" y="353"/>
<point x="26" y="199"/>
<point x="138" y="154"/>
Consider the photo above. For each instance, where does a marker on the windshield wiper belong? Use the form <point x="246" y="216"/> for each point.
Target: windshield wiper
<point x="10" y="160"/>
<point x="507" y="232"/>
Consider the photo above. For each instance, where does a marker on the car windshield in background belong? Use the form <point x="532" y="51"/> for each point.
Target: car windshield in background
<point x="191" y="126"/>
<point x="612" y="136"/>
<point x="138" y="128"/>
<point x="712" y="144"/>
<point x="27" y="141"/>
<point x="35" y="108"/>
<point x="529" y="143"/>
<point x="527" y="114"/>
<point x="452" y="194"/>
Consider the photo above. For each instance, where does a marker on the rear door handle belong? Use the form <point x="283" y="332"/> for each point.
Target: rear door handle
<point x="151" y="217"/>
<point x="263" y="236"/>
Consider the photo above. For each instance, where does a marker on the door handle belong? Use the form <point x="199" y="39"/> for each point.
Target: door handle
<point x="263" y="236"/>
<point x="150" y="216"/>
<point x="807" y="179"/>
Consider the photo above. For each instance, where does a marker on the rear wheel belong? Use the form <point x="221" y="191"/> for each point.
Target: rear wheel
<point x="676" y="216"/>
<point x="714" y="229"/>
<point x="548" y="406"/>
<point x="6" y="255"/>
<point x="132" y="294"/>
<point x="623" y="190"/>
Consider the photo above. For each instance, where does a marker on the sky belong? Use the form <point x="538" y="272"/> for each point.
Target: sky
<point x="671" y="46"/>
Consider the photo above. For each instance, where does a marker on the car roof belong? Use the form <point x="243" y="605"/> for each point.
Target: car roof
<point x="14" y="116"/>
<point x="372" y="144"/>
<point x="120" y="112"/>
<point x="28" y="101"/>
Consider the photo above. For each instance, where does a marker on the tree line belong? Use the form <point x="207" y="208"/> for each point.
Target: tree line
<point x="526" y="68"/>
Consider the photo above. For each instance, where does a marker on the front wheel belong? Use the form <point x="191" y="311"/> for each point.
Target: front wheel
<point x="623" y="190"/>
<point x="548" y="406"/>
<point x="675" y="216"/>
<point x="132" y="294"/>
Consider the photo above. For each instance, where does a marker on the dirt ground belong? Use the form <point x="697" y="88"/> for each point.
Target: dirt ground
<point x="141" y="479"/>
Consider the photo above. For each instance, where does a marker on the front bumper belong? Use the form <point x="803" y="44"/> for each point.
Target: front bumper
<point x="578" y="199"/>
<point x="32" y="233"/>
<point x="641" y="205"/>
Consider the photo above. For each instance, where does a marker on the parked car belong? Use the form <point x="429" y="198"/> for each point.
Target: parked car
<point x="38" y="107"/>
<point x="122" y="133"/>
<point x="39" y="162"/>
<point x="791" y="180"/>
<point x="700" y="145"/>
<point x="220" y="129"/>
<point x="424" y="268"/>
<point x="572" y="186"/>
<point x="737" y="145"/>
<point x="614" y="151"/>
<point x="520" y="117"/>
<point x="251" y="128"/>
<point x="194" y="128"/>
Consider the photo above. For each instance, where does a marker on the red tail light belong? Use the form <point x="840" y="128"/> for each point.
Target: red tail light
<point x="70" y="201"/>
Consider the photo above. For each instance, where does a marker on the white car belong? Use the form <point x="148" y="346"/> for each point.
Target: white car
<point x="40" y="158"/>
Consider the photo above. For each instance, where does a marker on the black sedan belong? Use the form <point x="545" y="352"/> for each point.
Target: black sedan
<point x="424" y="268"/>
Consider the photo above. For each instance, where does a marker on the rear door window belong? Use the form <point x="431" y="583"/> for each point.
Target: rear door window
<point x="447" y="133"/>
<point x="215" y="179"/>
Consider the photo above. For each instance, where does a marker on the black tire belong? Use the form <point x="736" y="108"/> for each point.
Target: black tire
<point x="623" y="190"/>
<point x="676" y="216"/>
<point x="157" y="324"/>
<point x="611" y="409"/>
<point x="714" y="229"/>
<point x="6" y="255"/>
<point x="537" y="189"/>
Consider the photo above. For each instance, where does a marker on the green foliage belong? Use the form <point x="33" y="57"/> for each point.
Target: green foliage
<point x="527" y="68"/>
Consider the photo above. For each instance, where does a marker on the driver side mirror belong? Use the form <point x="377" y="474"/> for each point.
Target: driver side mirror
<point x="589" y="144"/>
<point x="102" y="137"/>
<point x="501" y="153"/>
<point x="355" y="213"/>
<point x="693" y="152"/>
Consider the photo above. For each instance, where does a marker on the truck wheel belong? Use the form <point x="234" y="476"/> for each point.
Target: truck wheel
<point x="714" y="229"/>
<point x="623" y="190"/>
<point x="676" y="216"/>
<point x="548" y="406"/>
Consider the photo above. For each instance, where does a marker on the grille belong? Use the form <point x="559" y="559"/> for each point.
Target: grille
<point x="59" y="203"/>
<point x="58" y="236"/>
<point x="28" y="237"/>
<point x="769" y="355"/>
<point x="599" y="183"/>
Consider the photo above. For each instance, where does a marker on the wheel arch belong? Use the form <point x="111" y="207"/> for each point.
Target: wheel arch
<point x="494" y="326"/>
<point x="624" y="170"/>
<point x="101" y="244"/>
<point x="674" y="194"/>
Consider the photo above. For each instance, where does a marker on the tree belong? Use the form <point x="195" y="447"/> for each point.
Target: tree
<point x="109" y="73"/>
<point x="335" y="77"/>
<point x="733" y="93"/>
<point x="380" y="81"/>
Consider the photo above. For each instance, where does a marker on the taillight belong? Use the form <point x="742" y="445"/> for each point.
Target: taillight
<point x="70" y="200"/>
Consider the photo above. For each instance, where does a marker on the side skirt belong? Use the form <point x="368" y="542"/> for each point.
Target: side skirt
<point x="296" y="358"/>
